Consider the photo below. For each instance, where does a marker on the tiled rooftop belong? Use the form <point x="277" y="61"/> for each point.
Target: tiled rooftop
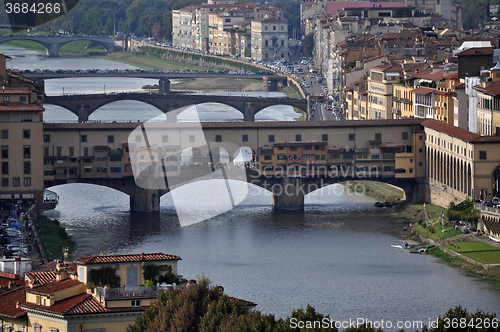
<point x="41" y="277"/>
<point x="476" y="51"/>
<point x="231" y="125"/>
<point x="54" y="286"/>
<point x="423" y="90"/>
<point x="15" y="91"/>
<point x="126" y="258"/>
<point x="20" y="107"/>
<point x="451" y="130"/>
<point x="9" y="300"/>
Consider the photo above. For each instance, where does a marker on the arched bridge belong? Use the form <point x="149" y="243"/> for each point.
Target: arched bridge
<point x="84" y="105"/>
<point x="53" y="44"/>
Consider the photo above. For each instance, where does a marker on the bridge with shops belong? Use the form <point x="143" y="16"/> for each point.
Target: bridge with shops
<point x="108" y="154"/>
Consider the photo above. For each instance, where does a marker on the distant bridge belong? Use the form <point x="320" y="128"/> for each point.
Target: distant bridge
<point x="84" y="105"/>
<point x="163" y="83"/>
<point x="53" y="44"/>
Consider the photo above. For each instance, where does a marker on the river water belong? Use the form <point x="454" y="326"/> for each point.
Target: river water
<point x="336" y="255"/>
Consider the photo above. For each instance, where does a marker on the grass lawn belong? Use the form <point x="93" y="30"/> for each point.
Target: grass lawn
<point x="145" y="62"/>
<point x="378" y="190"/>
<point x="479" y="251"/>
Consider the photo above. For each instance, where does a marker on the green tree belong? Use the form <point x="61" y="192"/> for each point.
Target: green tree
<point x="459" y="320"/>
<point x="106" y="275"/>
<point x="308" y="44"/>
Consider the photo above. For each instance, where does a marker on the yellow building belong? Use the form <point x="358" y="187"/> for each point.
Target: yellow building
<point x="21" y="136"/>
<point x="402" y="102"/>
<point x="357" y="101"/>
<point x="444" y="104"/>
<point x="57" y="299"/>
<point x="380" y="84"/>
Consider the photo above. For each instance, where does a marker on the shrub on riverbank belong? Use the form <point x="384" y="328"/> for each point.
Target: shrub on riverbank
<point x="54" y="238"/>
<point x="378" y="190"/>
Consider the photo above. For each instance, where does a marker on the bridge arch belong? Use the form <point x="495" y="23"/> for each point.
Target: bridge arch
<point x="106" y="47"/>
<point x="33" y="39"/>
<point x="222" y="112"/>
<point x="53" y="44"/>
<point x="261" y="113"/>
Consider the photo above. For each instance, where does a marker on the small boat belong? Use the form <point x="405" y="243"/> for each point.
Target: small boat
<point x="379" y="204"/>
<point x="387" y="204"/>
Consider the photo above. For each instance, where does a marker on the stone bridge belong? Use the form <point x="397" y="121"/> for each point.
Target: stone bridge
<point x="53" y="44"/>
<point x="288" y="192"/>
<point x="84" y="105"/>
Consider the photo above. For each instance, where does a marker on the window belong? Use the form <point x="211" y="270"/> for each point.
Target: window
<point x="351" y="137"/>
<point x="115" y="170"/>
<point x="5" y="168"/>
<point x="26" y="133"/>
<point x="85" y="151"/>
<point x="119" y="158"/>
<point x="404" y="135"/>
<point x="71" y="151"/>
<point x="5" y="151"/>
<point x="138" y="138"/>
<point x="16" y="182"/>
<point x="282" y="42"/>
<point x="375" y="156"/>
<point x="83" y="138"/>
<point x="45" y="151"/>
<point x="411" y="170"/>
<point x="482" y="154"/>
<point x="164" y="138"/>
<point x="420" y="137"/>
<point x="5" y="182"/>
<point x="271" y="138"/>
<point x="22" y="98"/>
<point x="6" y="98"/>
<point x="218" y="138"/>
<point x="266" y="27"/>
<point x="324" y="137"/>
<point x="420" y="164"/>
<point x="244" y="138"/>
<point x="266" y="43"/>
<point x="274" y="27"/>
<point x="46" y="138"/>
<point x="27" y="151"/>
<point x="26" y="117"/>
<point x="378" y="136"/>
<point x="298" y="138"/>
<point x="87" y="161"/>
<point x="136" y="303"/>
<point x="27" y="182"/>
<point x="58" y="151"/>
<point x="191" y="138"/>
<point x="111" y="139"/>
<point x="27" y="167"/>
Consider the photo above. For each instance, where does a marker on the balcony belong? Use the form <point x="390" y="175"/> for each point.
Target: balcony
<point x="124" y="292"/>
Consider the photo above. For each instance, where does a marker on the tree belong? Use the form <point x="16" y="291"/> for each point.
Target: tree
<point x="308" y="44"/>
<point x="459" y="320"/>
<point x="158" y="31"/>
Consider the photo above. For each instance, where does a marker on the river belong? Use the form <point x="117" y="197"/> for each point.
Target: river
<point x="336" y="255"/>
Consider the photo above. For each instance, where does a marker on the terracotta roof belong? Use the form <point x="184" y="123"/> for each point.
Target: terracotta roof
<point x="41" y="277"/>
<point x="453" y="75"/>
<point x="492" y="90"/>
<point x="20" y="107"/>
<point x="451" y="130"/>
<point x="79" y="304"/>
<point x="9" y="301"/>
<point x="423" y="90"/>
<point x="487" y="139"/>
<point x="476" y="51"/>
<point x="87" y="305"/>
<point x="231" y="125"/>
<point x="459" y="86"/>
<point x="431" y="76"/>
<point x="14" y="91"/>
<point x="126" y="258"/>
<point x="54" y="286"/>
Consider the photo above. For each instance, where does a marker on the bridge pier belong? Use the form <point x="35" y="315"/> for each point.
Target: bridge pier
<point x="83" y="113"/>
<point x="145" y="200"/>
<point x="249" y="112"/>
<point x="164" y="85"/>
<point x="53" y="50"/>
<point x="288" y="194"/>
